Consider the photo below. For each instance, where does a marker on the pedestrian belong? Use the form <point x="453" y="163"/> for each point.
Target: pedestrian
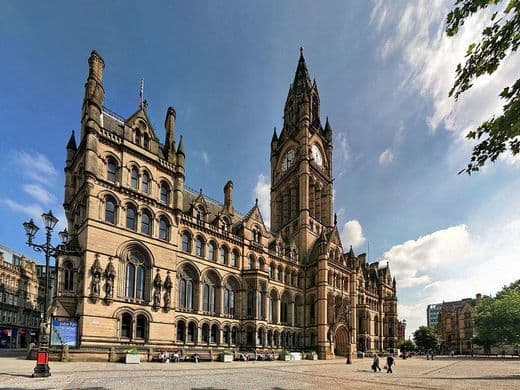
<point x="390" y="361"/>
<point x="428" y="355"/>
<point x="375" y="364"/>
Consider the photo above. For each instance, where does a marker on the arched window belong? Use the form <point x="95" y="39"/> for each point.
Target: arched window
<point x="146" y="222"/>
<point x="165" y="193"/>
<point x="234" y="258"/>
<point x="110" y="210"/>
<point x="140" y="327"/>
<point x="131" y="214"/>
<point x="111" y="169"/>
<point x="181" y="331"/>
<point x="135" y="275"/>
<point x="191" y="332"/>
<point x="205" y="333"/>
<point x="212" y="249"/>
<point x="214" y="334"/>
<point x="284" y="311"/>
<point x="199" y="213"/>
<point x="209" y="296"/>
<point x="146" y="141"/>
<point x="199" y="247"/>
<point x="164" y="228"/>
<point x="137" y="136"/>
<point x="145" y="183"/>
<point x="186" y="242"/>
<point x="229" y="300"/>
<point x="126" y="326"/>
<point x="68" y="277"/>
<point x="134" y="178"/>
<point x="250" y="305"/>
<point x="234" y="335"/>
<point x="186" y="290"/>
<point x="223" y="255"/>
<point x="226" y="335"/>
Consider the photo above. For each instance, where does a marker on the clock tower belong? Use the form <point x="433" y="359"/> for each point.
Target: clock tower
<point x="301" y="166"/>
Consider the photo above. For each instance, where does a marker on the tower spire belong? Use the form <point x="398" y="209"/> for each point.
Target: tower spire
<point x="302" y="80"/>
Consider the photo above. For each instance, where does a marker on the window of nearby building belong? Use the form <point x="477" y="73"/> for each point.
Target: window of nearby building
<point x="145" y="183"/>
<point x="135" y="276"/>
<point x="140" y="327"/>
<point x="164" y="228"/>
<point x="212" y="248"/>
<point x="134" y="178"/>
<point x="146" y="222"/>
<point x="199" y="247"/>
<point x="131" y="214"/>
<point x="186" y="242"/>
<point x="111" y="169"/>
<point x="209" y="297"/>
<point x="68" y="276"/>
<point x="110" y="210"/>
<point x="165" y="193"/>
<point x="229" y="301"/>
<point x="126" y="326"/>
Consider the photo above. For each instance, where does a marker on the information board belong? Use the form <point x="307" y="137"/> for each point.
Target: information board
<point x="64" y="332"/>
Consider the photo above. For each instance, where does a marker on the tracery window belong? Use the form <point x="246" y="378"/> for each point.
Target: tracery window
<point x="135" y="275"/>
<point x="209" y="296"/>
<point x="229" y="300"/>
<point x="186" y="292"/>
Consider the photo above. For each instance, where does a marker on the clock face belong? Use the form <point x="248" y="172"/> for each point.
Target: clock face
<point x="288" y="160"/>
<point x="316" y="155"/>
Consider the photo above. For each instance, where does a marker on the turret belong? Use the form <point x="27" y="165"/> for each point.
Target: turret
<point x="327" y="132"/>
<point x="178" y="189"/>
<point x="228" y="197"/>
<point x="71" y="149"/>
<point x="169" y="126"/>
<point x="94" y="94"/>
<point x="69" y="185"/>
<point x="274" y="141"/>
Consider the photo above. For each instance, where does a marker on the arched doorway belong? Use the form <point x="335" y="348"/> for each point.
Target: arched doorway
<point x="341" y="341"/>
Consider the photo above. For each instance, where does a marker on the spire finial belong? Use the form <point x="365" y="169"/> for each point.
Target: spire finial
<point x="141" y="94"/>
<point x="301" y="49"/>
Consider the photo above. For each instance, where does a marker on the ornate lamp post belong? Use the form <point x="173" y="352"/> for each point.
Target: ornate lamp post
<point x="349" y="340"/>
<point x="50" y="221"/>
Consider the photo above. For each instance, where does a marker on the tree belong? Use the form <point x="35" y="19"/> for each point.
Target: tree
<point x="426" y="338"/>
<point x="499" y="39"/>
<point x="498" y="319"/>
<point x="406" y="345"/>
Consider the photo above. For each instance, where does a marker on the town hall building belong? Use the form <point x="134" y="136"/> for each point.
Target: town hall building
<point x="159" y="265"/>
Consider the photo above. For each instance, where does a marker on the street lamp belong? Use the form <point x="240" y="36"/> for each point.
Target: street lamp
<point x="349" y="339"/>
<point x="49" y="221"/>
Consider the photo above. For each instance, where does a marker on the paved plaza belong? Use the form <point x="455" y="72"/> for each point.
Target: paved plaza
<point x="417" y="373"/>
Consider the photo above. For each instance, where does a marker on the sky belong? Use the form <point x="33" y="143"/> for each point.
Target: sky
<point x="383" y="69"/>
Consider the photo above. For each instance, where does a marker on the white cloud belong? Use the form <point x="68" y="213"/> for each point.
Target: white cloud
<point x="386" y="157"/>
<point x="203" y="156"/>
<point x="262" y="192"/>
<point x="429" y="58"/>
<point x="36" y="166"/>
<point x="352" y="234"/>
<point x="39" y="193"/>
<point x="33" y="211"/>
<point x="342" y="151"/>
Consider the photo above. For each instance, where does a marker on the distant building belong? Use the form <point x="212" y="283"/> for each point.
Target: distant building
<point x="401" y="330"/>
<point x="432" y="314"/>
<point x="21" y="299"/>
<point x="456" y="325"/>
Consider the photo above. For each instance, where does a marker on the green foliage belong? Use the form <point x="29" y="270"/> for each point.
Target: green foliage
<point x="132" y="351"/>
<point x="406" y="345"/>
<point x="498" y="319"/>
<point x="426" y="338"/>
<point x="499" y="39"/>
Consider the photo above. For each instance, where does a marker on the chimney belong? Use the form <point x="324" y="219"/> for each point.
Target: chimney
<point x="478" y="298"/>
<point x="228" y="197"/>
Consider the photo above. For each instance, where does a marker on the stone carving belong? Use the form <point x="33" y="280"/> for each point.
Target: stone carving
<point x="157" y="284"/>
<point x="167" y="291"/>
<point x="96" y="272"/>
<point x="110" y="275"/>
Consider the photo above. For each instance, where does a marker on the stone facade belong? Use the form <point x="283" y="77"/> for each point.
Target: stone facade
<point x="162" y="265"/>
<point x="456" y="326"/>
<point x="21" y="299"/>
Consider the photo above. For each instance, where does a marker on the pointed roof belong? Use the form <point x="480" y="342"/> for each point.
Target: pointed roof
<point x="302" y="81"/>
<point x="141" y="114"/>
<point x="180" y="148"/>
<point x="71" y="145"/>
<point x="256" y="215"/>
<point x="351" y="253"/>
<point x="275" y="136"/>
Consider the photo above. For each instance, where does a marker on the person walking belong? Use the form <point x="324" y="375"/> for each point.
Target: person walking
<point x="390" y="361"/>
<point x="375" y="364"/>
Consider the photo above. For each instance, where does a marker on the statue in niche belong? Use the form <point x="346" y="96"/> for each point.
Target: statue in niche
<point x="110" y="275"/>
<point x="157" y="283"/>
<point x="168" y="291"/>
<point x="96" y="272"/>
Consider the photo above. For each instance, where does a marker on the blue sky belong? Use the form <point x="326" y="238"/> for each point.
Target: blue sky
<point x="383" y="71"/>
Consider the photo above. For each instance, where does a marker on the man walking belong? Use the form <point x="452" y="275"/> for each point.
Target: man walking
<point x="375" y="363"/>
<point x="389" y="362"/>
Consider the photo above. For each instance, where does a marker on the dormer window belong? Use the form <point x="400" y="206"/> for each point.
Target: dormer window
<point x="146" y="141"/>
<point x="257" y="236"/>
<point x="138" y="136"/>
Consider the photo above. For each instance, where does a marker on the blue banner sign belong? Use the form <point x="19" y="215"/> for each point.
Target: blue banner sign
<point x="64" y="332"/>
